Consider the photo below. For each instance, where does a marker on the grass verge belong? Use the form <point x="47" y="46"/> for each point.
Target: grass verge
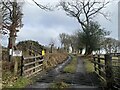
<point x="21" y="82"/>
<point x="89" y="66"/>
<point x="71" y="68"/>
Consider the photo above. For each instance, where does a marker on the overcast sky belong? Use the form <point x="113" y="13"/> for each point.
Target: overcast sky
<point x="43" y="26"/>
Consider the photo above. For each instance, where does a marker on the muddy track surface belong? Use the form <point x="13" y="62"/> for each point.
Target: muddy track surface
<point x="78" y="80"/>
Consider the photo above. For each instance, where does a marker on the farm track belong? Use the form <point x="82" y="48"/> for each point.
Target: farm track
<point x="78" y="80"/>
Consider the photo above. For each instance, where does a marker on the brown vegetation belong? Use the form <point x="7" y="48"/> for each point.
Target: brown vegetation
<point x="52" y="59"/>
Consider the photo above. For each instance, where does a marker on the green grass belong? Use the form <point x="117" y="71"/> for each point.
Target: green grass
<point x="89" y="66"/>
<point x="71" y="68"/>
<point x="11" y="80"/>
<point x="21" y="82"/>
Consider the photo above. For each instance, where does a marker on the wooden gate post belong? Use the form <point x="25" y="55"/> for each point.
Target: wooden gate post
<point x="94" y="63"/>
<point x="99" y="65"/>
<point x="35" y="62"/>
<point x="108" y="70"/>
<point x="21" y="73"/>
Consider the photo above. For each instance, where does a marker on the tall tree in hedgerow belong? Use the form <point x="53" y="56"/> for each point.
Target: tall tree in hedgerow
<point x="11" y="24"/>
<point x="11" y="20"/>
<point x="84" y="11"/>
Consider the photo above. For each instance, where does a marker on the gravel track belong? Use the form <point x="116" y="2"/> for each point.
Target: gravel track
<point x="78" y="80"/>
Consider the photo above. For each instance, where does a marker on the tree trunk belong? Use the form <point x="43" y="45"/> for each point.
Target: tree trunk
<point x="11" y="43"/>
<point x="88" y="50"/>
<point x="81" y="51"/>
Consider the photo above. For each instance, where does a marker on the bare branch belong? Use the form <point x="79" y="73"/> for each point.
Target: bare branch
<point x="8" y="9"/>
<point x="42" y="6"/>
<point x="11" y="14"/>
<point x="104" y="15"/>
<point x="83" y="10"/>
<point x="97" y="9"/>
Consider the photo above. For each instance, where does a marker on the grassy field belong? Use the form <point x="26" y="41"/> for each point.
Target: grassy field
<point x="20" y="83"/>
<point x="114" y="60"/>
<point x="71" y="68"/>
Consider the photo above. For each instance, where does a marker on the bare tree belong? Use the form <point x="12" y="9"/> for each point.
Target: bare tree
<point x="65" y="40"/>
<point x="62" y="38"/>
<point x="84" y="11"/>
<point x="11" y="23"/>
<point x="11" y="20"/>
<point x="110" y="45"/>
<point x="52" y="44"/>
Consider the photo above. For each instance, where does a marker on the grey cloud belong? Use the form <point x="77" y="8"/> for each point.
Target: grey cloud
<point x="33" y="16"/>
<point x="41" y="34"/>
<point x="41" y="26"/>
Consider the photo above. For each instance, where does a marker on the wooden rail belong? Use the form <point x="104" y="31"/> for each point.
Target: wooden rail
<point x="31" y="65"/>
<point x="33" y="49"/>
<point x="105" y="65"/>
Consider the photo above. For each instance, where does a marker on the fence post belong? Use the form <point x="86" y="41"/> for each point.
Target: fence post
<point x="99" y="65"/>
<point x="34" y="61"/>
<point x="94" y="63"/>
<point x="21" y="73"/>
<point x="108" y="70"/>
